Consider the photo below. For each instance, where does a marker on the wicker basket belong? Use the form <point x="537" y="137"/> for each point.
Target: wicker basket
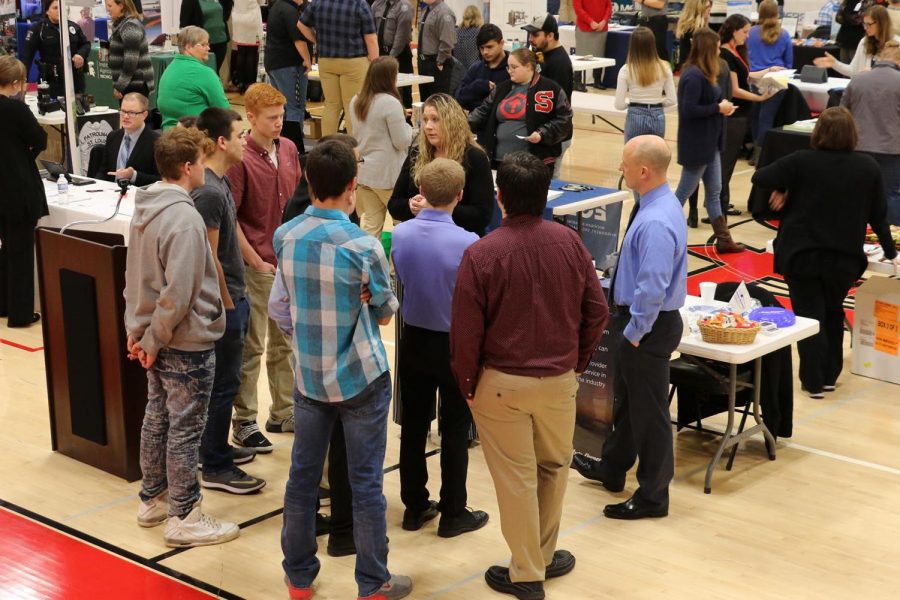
<point x="728" y="335"/>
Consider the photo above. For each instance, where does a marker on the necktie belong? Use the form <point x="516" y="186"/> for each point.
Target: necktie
<point x="124" y="152"/>
<point x="421" y="49"/>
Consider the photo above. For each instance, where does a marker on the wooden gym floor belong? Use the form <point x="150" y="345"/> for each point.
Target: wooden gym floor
<point x="819" y="522"/>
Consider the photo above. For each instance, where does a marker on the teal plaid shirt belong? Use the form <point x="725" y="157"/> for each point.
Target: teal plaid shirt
<point x="323" y="262"/>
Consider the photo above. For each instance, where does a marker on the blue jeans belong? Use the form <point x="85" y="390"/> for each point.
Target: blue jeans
<point x="364" y="418"/>
<point x="292" y="82"/>
<point x="764" y="116"/>
<point x="215" y="451"/>
<point x="890" y="175"/>
<point x="178" y="387"/>
<point x="711" y="174"/>
<point x="640" y="120"/>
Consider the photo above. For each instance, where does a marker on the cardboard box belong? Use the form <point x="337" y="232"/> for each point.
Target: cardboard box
<point x="876" y="330"/>
<point x="312" y="128"/>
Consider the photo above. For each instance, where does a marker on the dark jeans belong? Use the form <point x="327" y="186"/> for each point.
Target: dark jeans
<point x="178" y="387"/>
<point x="818" y="292"/>
<point x="428" y="66"/>
<point x="245" y="65"/>
<point x="364" y="418"/>
<point x="425" y="369"/>
<point x="659" y="25"/>
<point x="735" y="131"/>
<point x="339" y="484"/>
<point x="16" y="270"/>
<point x="215" y="451"/>
<point x="641" y="422"/>
<point x="764" y="114"/>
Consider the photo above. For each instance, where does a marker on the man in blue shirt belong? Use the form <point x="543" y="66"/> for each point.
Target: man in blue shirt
<point x="647" y="290"/>
<point x="341" y="369"/>
<point x="427" y="251"/>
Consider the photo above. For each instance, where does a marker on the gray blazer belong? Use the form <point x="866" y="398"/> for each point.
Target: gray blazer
<point x="384" y="139"/>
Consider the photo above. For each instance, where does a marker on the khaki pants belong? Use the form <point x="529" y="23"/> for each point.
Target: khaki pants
<point x="371" y="206"/>
<point x="263" y="334"/>
<point x="341" y="78"/>
<point x="526" y="426"/>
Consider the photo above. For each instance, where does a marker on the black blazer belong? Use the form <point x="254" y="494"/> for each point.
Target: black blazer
<point x="22" y="198"/>
<point x="141" y="158"/>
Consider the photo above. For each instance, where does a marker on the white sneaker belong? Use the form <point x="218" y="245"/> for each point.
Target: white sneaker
<point x="154" y="512"/>
<point x="198" y="529"/>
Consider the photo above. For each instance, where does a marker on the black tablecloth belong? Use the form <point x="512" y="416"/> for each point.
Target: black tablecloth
<point x="804" y="55"/>
<point x="776" y="144"/>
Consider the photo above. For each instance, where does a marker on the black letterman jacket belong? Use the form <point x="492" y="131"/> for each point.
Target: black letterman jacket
<point x="547" y="111"/>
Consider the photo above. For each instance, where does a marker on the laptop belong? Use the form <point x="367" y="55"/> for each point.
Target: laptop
<point x="54" y="170"/>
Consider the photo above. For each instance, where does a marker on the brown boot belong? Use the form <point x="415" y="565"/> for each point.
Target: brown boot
<point x="724" y="243"/>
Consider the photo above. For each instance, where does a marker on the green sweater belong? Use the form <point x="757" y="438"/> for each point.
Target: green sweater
<point x="188" y="87"/>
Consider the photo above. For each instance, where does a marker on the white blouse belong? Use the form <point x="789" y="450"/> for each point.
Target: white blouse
<point x="661" y="91"/>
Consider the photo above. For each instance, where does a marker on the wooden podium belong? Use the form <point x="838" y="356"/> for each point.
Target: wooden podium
<point x="96" y="395"/>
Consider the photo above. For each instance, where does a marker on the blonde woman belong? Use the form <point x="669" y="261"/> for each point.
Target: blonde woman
<point x="444" y="133"/>
<point x="694" y="15"/>
<point x="466" y="49"/>
<point x="380" y="127"/>
<point x="645" y="87"/>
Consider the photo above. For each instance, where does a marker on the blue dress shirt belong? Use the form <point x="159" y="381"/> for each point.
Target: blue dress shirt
<point x="652" y="269"/>
<point x="427" y="251"/>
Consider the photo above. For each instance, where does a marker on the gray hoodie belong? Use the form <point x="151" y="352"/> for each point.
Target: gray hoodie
<point x="172" y="295"/>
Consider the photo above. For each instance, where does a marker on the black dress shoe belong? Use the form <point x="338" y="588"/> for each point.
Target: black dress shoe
<point x="343" y="544"/>
<point x="464" y="522"/>
<point x="413" y="521"/>
<point x="498" y="580"/>
<point x="633" y="509"/>
<point x="563" y="562"/>
<point x="35" y="317"/>
<point x="323" y="524"/>
<point x="589" y="468"/>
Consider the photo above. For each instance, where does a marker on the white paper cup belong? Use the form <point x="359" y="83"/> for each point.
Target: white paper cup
<point x="707" y="292"/>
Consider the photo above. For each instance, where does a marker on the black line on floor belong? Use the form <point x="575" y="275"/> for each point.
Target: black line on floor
<point x="269" y="515"/>
<point x="121" y="552"/>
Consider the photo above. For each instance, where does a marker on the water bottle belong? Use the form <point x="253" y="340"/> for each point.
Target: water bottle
<point x="62" y="189"/>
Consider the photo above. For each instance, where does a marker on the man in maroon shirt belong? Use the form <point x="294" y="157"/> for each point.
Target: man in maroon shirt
<point x="261" y="184"/>
<point x="527" y="315"/>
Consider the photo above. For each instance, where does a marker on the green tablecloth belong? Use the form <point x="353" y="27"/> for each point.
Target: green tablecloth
<point x="98" y="79"/>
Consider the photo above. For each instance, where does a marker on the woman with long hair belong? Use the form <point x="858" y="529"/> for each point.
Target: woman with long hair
<point x="22" y="198"/>
<point x="770" y="49"/>
<point x="129" y="56"/>
<point x="701" y="112"/>
<point x="645" y="87"/>
<point x="877" y="24"/>
<point x="819" y="246"/>
<point x="733" y="37"/>
<point x="380" y="127"/>
<point x="444" y="133"/>
<point x="694" y="15"/>
<point x="466" y="49"/>
<point x="526" y="113"/>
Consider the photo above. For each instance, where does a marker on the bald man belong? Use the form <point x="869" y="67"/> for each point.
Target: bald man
<point x="647" y="290"/>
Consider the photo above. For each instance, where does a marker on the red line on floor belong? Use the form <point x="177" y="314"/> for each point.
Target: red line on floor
<point x="20" y="346"/>
<point x="39" y="562"/>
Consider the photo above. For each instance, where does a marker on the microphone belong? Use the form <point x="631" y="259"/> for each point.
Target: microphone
<point x="123" y="189"/>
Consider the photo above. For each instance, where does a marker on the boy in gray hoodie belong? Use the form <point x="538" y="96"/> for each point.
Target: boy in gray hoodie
<point x="173" y="317"/>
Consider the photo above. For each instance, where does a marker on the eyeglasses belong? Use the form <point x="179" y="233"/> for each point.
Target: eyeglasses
<point x="867" y="24"/>
<point x="131" y="113"/>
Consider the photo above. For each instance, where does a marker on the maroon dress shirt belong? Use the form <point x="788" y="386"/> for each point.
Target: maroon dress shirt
<point x="261" y="190"/>
<point x="527" y="302"/>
